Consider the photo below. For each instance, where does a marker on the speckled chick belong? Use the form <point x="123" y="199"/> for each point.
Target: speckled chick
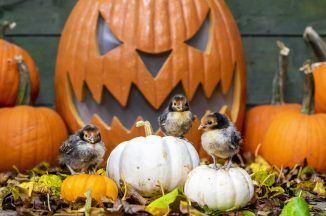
<point x="82" y="151"/>
<point x="220" y="138"/>
<point x="176" y="120"/>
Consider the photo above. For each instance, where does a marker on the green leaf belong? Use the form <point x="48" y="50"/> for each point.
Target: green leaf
<point x="260" y="164"/>
<point x="50" y="180"/>
<point x="306" y="171"/>
<point x="276" y="191"/>
<point x="297" y="206"/>
<point x="264" y="177"/>
<point x="4" y="191"/>
<point x="161" y="205"/>
<point x="166" y="200"/>
<point x="247" y="213"/>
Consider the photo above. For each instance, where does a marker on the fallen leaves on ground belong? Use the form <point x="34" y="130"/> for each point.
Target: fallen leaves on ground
<point x="284" y="191"/>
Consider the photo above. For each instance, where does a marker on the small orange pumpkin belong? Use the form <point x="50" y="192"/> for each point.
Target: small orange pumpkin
<point x="29" y="135"/>
<point x="9" y="74"/>
<point x="76" y="186"/>
<point x="294" y="136"/>
<point x="259" y="118"/>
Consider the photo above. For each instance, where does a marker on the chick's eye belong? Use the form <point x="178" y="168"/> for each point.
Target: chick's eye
<point x="174" y="103"/>
<point x="209" y="122"/>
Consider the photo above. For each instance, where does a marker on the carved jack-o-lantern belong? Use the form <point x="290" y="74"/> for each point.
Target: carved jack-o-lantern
<point x="121" y="60"/>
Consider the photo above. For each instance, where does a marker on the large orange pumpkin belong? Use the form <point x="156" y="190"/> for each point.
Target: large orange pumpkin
<point x="120" y="61"/>
<point x="29" y="135"/>
<point x="297" y="135"/>
<point x="259" y="118"/>
<point x="9" y="74"/>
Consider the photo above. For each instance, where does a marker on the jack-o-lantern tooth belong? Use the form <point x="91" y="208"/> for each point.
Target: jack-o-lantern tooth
<point x="94" y="79"/>
<point x="224" y="50"/>
<point x="232" y="31"/>
<point x="196" y="63"/>
<point x="76" y="86"/>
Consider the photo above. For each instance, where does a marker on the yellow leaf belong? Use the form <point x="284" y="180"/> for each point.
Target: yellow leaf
<point x="28" y="186"/>
<point x="320" y="189"/>
<point x="260" y="164"/>
<point x="101" y="172"/>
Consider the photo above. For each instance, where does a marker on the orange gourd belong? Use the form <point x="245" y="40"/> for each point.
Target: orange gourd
<point x="258" y="119"/>
<point x="121" y="61"/>
<point x="76" y="186"/>
<point x="297" y="135"/>
<point x="9" y="74"/>
<point x="320" y="87"/>
<point x="319" y="47"/>
<point x="29" y="135"/>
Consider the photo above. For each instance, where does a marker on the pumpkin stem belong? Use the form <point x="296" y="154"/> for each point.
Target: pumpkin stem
<point x="308" y="105"/>
<point x="280" y="75"/>
<point x="316" y="42"/>
<point x="6" y="25"/>
<point x="147" y="126"/>
<point x="24" y="90"/>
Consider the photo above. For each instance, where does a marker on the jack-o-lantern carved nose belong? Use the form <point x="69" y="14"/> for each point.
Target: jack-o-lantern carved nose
<point x="154" y="61"/>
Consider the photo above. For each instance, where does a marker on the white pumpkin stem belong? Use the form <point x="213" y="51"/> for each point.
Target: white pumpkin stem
<point x="147" y="126"/>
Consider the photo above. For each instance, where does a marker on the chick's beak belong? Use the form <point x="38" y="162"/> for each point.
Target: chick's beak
<point x="201" y="127"/>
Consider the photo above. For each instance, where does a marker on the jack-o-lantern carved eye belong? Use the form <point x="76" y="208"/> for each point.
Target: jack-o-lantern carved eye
<point x="107" y="41"/>
<point x="154" y="61"/>
<point x="201" y="37"/>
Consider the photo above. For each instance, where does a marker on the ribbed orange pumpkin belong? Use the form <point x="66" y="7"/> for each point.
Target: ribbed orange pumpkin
<point x="319" y="47"/>
<point x="119" y="61"/>
<point x="320" y="87"/>
<point x="9" y="74"/>
<point x="294" y="136"/>
<point x="258" y="119"/>
<point x="76" y="186"/>
<point x="29" y="135"/>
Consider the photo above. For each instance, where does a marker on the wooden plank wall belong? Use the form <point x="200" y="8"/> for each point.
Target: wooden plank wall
<point x="261" y="22"/>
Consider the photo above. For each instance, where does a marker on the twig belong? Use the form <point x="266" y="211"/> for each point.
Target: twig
<point x="316" y="42"/>
<point x="48" y="202"/>
<point x="257" y="149"/>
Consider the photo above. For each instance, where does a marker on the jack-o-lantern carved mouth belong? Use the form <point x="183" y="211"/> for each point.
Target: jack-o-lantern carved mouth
<point x="138" y="106"/>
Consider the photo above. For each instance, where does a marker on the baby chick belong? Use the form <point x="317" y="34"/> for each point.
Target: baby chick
<point x="220" y="138"/>
<point x="82" y="151"/>
<point x="176" y="120"/>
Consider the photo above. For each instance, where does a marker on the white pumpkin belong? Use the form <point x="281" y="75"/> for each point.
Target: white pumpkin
<point x="152" y="163"/>
<point x="219" y="189"/>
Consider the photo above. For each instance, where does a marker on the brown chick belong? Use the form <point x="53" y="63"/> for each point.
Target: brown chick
<point x="220" y="138"/>
<point x="176" y="120"/>
<point x="82" y="151"/>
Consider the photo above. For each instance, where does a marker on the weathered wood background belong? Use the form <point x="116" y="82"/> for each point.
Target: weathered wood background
<point x="261" y="22"/>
